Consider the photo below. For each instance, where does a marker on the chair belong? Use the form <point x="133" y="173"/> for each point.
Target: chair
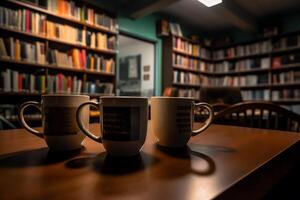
<point x="259" y="115"/>
<point x="225" y="95"/>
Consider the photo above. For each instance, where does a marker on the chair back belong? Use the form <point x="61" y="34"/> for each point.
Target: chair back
<point x="259" y="115"/>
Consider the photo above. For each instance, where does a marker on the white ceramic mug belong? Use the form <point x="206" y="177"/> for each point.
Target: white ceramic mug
<point x="172" y="120"/>
<point x="124" y="122"/>
<point x="60" y="129"/>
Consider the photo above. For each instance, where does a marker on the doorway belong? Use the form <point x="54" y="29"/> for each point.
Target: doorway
<point x="136" y="69"/>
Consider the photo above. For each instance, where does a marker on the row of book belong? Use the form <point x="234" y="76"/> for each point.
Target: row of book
<point x="243" y="50"/>
<point x="290" y="41"/>
<point x="35" y="53"/>
<point x="285" y="94"/>
<point x="100" y="40"/>
<point x="286" y="77"/>
<point x="176" y="92"/>
<point x="256" y="95"/>
<point x="190" y="63"/>
<point x="15" y="81"/>
<point x="190" y="48"/>
<point x="20" y="50"/>
<point x="81" y="13"/>
<point x="32" y="22"/>
<point x="23" y="20"/>
<point x="278" y="61"/>
<point x="242" y="65"/>
<point x="236" y="81"/>
<point x="185" y="78"/>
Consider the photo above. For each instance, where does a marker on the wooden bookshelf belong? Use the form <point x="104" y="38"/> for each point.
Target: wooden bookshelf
<point x="84" y="73"/>
<point x="269" y="71"/>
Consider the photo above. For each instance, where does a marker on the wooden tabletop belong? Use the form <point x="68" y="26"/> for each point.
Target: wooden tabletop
<point x="222" y="162"/>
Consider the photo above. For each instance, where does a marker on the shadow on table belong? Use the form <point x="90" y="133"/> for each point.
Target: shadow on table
<point x="111" y="165"/>
<point x="36" y="157"/>
<point x="186" y="161"/>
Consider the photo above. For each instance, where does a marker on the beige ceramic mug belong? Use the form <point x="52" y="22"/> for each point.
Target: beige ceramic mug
<point x="123" y="123"/>
<point x="172" y="120"/>
<point x="60" y="129"/>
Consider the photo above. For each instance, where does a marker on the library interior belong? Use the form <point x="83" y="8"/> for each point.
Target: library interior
<point x="147" y="77"/>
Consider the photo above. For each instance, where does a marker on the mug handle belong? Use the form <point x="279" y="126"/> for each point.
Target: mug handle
<point x="81" y="126"/>
<point x="208" y="121"/>
<point x="22" y="120"/>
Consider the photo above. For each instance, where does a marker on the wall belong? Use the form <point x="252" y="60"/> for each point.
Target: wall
<point x="133" y="47"/>
<point x="146" y="28"/>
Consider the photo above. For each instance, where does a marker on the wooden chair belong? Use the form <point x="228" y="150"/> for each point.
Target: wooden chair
<point x="259" y="115"/>
<point x="225" y="95"/>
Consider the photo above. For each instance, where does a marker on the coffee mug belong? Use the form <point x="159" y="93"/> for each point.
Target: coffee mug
<point x="172" y="120"/>
<point x="123" y="122"/>
<point x="60" y="129"/>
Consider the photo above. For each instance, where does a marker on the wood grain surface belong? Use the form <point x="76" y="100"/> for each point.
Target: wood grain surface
<point x="214" y="163"/>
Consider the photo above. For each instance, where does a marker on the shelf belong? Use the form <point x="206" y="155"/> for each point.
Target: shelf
<point x="192" y="41"/>
<point x="190" y="55"/>
<point x="242" y="57"/>
<point x="105" y="51"/>
<point x="258" y="86"/>
<point x="250" y="71"/>
<point x="182" y="68"/>
<point x="286" y="67"/>
<point x="284" y="85"/>
<point x="95" y="95"/>
<point x="65" y="18"/>
<point x="287" y="101"/>
<point x="285" y="50"/>
<point x="186" y="85"/>
<point x="56" y="67"/>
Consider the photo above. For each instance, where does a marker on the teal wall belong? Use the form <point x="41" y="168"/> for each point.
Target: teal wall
<point x="145" y="28"/>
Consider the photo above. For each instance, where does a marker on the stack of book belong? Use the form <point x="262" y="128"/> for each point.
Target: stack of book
<point x="285" y="94"/>
<point x="286" y="77"/>
<point x="252" y="80"/>
<point x="60" y="83"/>
<point x="15" y="81"/>
<point x="255" y="95"/>
<point x="98" y="87"/>
<point x="186" y="78"/>
<point x="243" y="50"/>
<point x="291" y="41"/>
<point x="189" y="93"/>
<point x="74" y="58"/>
<point x="182" y="45"/>
<point x="100" y="41"/>
<point x="23" y="20"/>
<point x="22" y="51"/>
<point x="221" y="81"/>
<point x="98" y="63"/>
<point x="81" y="13"/>
<point x="278" y="62"/>
<point x="66" y="33"/>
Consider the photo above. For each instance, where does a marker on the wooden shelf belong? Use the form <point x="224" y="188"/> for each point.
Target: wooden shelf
<point x="284" y="85"/>
<point x="250" y="71"/>
<point x="56" y="67"/>
<point x="285" y="50"/>
<point x="191" y="55"/>
<point x="186" y="85"/>
<point x="286" y="67"/>
<point x="65" y="18"/>
<point x="81" y="46"/>
<point x="258" y="86"/>
<point x="242" y="57"/>
<point x="287" y="101"/>
<point x="182" y="68"/>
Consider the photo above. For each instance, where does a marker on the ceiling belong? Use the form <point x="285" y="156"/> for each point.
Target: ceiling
<point x="230" y="13"/>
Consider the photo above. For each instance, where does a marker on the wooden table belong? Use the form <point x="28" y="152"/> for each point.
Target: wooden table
<point x="223" y="162"/>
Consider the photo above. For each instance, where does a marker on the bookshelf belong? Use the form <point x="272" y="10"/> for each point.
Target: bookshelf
<point x="267" y="68"/>
<point x="185" y="62"/>
<point x="72" y="44"/>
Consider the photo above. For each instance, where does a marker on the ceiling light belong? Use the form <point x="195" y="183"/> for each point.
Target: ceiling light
<point x="210" y="3"/>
